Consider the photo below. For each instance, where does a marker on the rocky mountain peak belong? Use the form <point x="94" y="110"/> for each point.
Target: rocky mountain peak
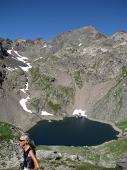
<point x="89" y="29"/>
<point x="119" y="36"/>
<point x="39" y="41"/>
<point x="21" y="44"/>
<point x="85" y="36"/>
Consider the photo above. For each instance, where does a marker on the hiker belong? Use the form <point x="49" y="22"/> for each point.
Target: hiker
<point x="30" y="161"/>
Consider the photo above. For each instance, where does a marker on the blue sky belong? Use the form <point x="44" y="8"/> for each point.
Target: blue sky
<point x="31" y="19"/>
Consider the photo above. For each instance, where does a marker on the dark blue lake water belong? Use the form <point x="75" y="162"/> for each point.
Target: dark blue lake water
<point x="72" y="132"/>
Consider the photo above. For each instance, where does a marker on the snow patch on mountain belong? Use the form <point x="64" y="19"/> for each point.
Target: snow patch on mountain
<point x="44" y="113"/>
<point x="24" y="60"/>
<point x="21" y="58"/>
<point x="38" y="59"/>
<point x="23" y="101"/>
<point x="80" y="44"/>
<point x="10" y="51"/>
<point x="79" y="112"/>
<point x="26" y="68"/>
<point x="11" y="69"/>
<point x="45" y="45"/>
<point x="26" y="89"/>
<point x="23" y="104"/>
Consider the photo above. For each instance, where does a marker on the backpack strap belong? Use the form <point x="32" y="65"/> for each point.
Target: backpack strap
<point x="25" y="155"/>
<point x="28" y="150"/>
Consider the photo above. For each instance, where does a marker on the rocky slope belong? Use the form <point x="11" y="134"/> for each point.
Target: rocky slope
<point x="80" y="69"/>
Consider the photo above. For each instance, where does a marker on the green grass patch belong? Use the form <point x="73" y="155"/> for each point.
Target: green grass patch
<point x="34" y="102"/>
<point x="78" y="79"/>
<point x="54" y="98"/>
<point x="43" y="147"/>
<point x="54" y="106"/>
<point x="6" y="131"/>
<point x="124" y="71"/>
<point x="122" y="125"/>
<point x="118" y="147"/>
<point x="58" y="98"/>
<point x="42" y="80"/>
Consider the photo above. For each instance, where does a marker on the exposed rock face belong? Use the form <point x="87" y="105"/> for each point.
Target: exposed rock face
<point x="79" y="69"/>
<point x="8" y="157"/>
<point x="122" y="163"/>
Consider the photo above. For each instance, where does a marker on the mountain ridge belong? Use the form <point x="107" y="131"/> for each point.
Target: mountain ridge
<point x="76" y="70"/>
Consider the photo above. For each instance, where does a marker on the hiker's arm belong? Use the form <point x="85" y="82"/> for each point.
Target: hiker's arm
<point x="33" y="157"/>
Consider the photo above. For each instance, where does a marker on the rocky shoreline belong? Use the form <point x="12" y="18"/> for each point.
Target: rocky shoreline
<point x="49" y="160"/>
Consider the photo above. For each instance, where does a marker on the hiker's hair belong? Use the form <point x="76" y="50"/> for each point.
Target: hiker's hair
<point x="30" y="142"/>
